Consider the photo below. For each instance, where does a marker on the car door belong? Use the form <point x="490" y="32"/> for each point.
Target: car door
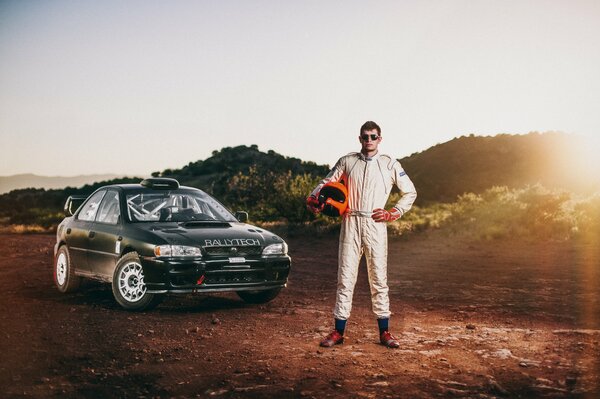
<point x="77" y="233"/>
<point x="104" y="237"/>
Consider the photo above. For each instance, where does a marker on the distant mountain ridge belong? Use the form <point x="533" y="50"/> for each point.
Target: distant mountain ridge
<point x="29" y="180"/>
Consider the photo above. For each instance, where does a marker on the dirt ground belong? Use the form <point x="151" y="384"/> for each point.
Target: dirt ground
<point x="475" y="319"/>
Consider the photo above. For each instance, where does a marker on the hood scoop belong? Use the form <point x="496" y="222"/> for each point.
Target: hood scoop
<point x="205" y="223"/>
<point x="168" y="229"/>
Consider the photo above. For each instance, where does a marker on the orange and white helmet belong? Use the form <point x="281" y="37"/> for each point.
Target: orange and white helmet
<point x="334" y="198"/>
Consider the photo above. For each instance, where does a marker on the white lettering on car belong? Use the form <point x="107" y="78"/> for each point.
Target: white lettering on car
<point x="228" y="242"/>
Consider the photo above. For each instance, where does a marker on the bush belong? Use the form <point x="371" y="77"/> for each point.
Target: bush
<point x="290" y="201"/>
<point x="44" y="217"/>
<point x="533" y="212"/>
<point x="586" y="214"/>
<point x="270" y="196"/>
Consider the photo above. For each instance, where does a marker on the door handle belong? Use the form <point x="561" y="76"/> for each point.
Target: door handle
<point x="69" y="230"/>
<point x="92" y="234"/>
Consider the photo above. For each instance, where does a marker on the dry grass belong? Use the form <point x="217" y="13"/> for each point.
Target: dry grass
<point x="26" y="229"/>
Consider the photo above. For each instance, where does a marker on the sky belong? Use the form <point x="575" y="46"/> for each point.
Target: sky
<point x="132" y="87"/>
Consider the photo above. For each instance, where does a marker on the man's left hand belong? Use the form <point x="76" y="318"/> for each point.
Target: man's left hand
<point x="381" y="215"/>
<point x="313" y="205"/>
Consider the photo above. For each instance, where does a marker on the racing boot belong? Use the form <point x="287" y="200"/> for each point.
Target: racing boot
<point x="334" y="338"/>
<point x="388" y="340"/>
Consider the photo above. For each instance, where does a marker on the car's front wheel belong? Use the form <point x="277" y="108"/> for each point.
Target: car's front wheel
<point x="262" y="296"/>
<point x="128" y="285"/>
<point x="64" y="275"/>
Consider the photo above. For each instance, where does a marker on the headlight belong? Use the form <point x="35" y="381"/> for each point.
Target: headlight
<point x="177" y="251"/>
<point x="275" y="249"/>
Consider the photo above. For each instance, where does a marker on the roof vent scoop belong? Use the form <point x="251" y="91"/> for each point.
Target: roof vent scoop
<point x="159" y="183"/>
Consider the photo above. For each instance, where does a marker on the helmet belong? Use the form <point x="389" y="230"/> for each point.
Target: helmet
<point x="334" y="197"/>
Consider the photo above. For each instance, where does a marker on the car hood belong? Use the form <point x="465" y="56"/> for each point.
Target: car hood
<point x="213" y="234"/>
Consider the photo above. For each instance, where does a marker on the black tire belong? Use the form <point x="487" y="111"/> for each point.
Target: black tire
<point x="64" y="275"/>
<point x="263" y="296"/>
<point x="128" y="285"/>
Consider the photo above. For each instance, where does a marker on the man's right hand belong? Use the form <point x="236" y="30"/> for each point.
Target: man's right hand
<point x="312" y="204"/>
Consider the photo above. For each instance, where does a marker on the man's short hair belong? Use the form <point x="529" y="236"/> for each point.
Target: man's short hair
<point x="368" y="126"/>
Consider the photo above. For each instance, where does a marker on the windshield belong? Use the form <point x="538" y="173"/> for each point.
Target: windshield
<point x="175" y="206"/>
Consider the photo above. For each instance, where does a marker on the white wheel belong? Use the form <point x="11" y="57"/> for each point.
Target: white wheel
<point x="64" y="276"/>
<point x="61" y="268"/>
<point x="128" y="284"/>
<point x="131" y="282"/>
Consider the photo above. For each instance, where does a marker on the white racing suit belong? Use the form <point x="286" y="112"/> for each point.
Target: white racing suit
<point x="369" y="182"/>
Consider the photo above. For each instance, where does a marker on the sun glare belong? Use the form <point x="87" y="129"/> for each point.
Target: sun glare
<point x="578" y="162"/>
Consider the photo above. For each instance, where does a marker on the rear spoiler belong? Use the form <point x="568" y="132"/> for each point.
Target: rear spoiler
<point x="73" y="203"/>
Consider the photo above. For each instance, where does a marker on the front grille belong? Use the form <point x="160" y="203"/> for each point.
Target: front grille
<point x="233" y="251"/>
<point x="178" y="281"/>
<point x="235" y="277"/>
<point x="183" y="274"/>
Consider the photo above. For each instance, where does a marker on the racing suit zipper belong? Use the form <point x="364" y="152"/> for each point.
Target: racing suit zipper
<point x="363" y="182"/>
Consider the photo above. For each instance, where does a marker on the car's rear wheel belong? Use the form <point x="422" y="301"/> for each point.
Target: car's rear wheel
<point x="128" y="285"/>
<point x="64" y="275"/>
<point x="262" y="296"/>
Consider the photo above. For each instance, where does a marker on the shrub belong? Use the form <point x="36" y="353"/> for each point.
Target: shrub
<point x="533" y="212"/>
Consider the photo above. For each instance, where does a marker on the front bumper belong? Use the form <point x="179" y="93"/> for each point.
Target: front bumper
<point x="214" y="275"/>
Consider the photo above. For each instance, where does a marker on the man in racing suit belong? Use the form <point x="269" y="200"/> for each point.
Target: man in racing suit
<point x="369" y="177"/>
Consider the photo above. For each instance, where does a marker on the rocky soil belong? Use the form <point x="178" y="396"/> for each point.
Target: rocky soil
<point x="475" y="319"/>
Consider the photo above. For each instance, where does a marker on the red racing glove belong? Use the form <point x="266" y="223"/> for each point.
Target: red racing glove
<point x="381" y="215"/>
<point x="313" y="205"/>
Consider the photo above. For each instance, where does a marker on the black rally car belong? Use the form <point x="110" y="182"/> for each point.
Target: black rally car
<point x="156" y="237"/>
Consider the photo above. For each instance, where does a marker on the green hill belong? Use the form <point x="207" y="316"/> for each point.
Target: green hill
<point x="475" y="163"/>
<point x="214" y="173"/>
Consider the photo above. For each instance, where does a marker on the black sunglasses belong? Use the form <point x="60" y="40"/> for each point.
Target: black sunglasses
<point x="365" y="137"/>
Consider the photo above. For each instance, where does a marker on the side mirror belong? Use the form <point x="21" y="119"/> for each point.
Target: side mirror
<point x="73" y="203"/>
<point x="241" y="216"/>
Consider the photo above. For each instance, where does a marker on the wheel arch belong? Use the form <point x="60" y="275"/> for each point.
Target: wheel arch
<point x="60" y="244"/>
<point x="71" y="281"/>
<point x="127" y="249"/>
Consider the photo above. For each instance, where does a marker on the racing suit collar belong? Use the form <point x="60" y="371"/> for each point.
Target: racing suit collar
<point x="371" y="158"/>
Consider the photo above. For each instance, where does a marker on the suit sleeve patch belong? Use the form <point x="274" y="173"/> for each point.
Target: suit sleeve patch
<point x="403" y="173"/>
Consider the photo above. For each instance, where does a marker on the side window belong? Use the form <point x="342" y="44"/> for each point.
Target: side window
<point x="88" y="212"/>
<point x="109" y="209"/>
